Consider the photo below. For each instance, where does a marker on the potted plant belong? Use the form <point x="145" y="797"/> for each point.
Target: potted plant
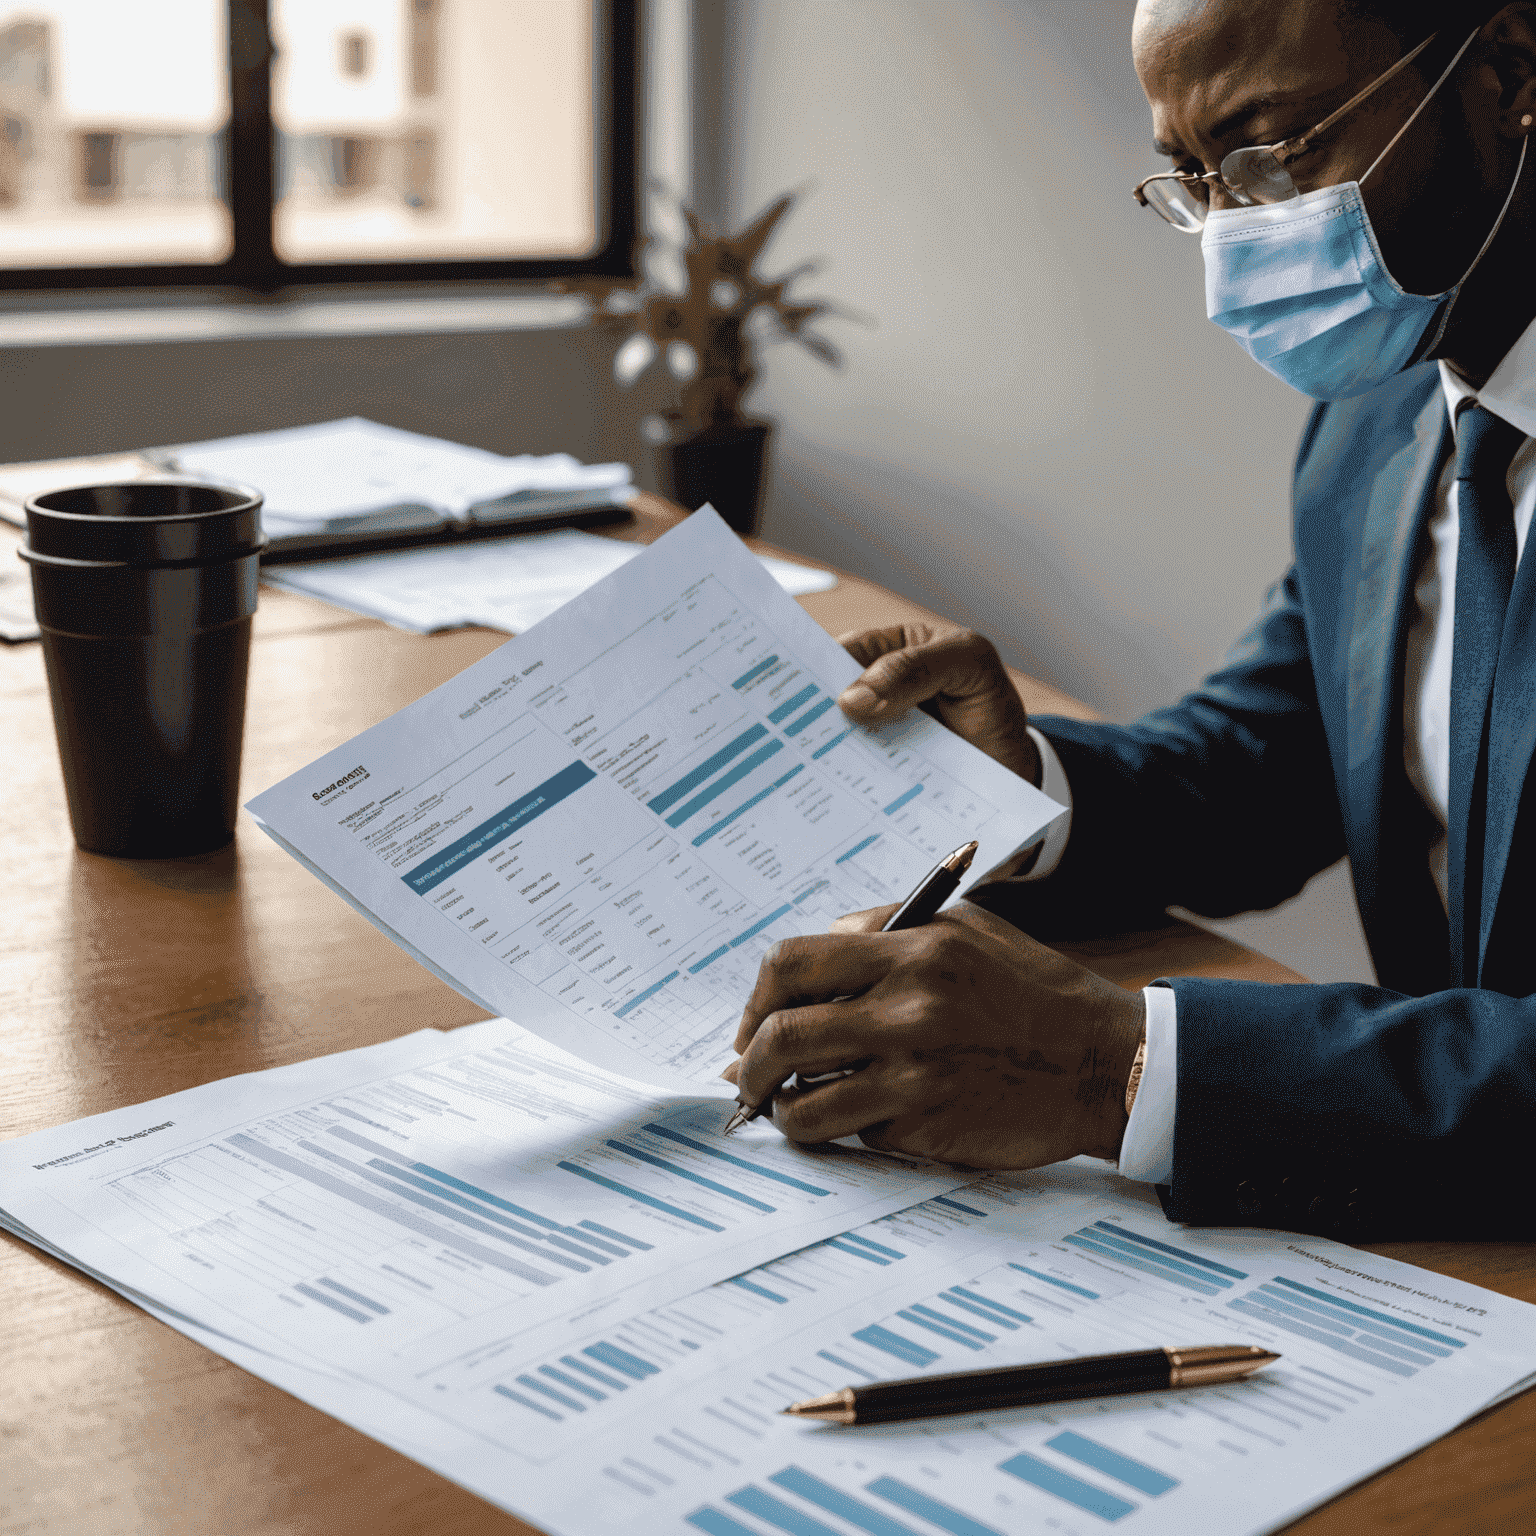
<point x="706" y="337"/>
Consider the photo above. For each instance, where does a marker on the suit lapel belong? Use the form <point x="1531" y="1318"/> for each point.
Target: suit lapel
<point x="1397" y="510"/>
<point x="1511" y="737"/>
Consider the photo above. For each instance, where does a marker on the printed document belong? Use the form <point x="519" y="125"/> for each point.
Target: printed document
<point x="459" y="1188"/>
<point x="507" y="584"/>
<point x="598" y="829"/>
<point x="644" y="1407"/>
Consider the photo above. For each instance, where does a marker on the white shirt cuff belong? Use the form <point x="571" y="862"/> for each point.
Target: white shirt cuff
<point x="1053" y="782"/>
<point x="1146" y="1153"/>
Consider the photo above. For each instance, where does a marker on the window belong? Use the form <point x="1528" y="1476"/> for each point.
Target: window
<point x="268" y="142"/>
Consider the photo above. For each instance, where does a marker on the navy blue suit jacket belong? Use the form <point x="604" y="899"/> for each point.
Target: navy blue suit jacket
<point x="1402" y="1109"/>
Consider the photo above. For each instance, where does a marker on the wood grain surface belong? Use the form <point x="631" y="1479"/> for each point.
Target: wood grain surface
<point x="121" y="980"/>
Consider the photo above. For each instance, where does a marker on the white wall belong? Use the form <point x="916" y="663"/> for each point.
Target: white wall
<point x="1041" y="435"/>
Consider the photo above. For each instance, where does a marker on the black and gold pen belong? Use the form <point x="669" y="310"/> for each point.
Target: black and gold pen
<point x="1028" y="1386"/>
<point x="933" y="890"/>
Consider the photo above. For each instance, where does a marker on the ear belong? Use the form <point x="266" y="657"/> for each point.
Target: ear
<point x="1510" y="43"/>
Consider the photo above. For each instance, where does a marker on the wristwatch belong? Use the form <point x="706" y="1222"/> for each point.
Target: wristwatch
<point x="1134" y="1081"/>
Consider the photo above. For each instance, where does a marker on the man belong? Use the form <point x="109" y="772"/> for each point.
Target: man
<point x="1374" y="244"/>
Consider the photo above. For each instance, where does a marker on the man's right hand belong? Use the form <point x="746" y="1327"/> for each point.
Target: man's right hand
<point x="956" y="676"/>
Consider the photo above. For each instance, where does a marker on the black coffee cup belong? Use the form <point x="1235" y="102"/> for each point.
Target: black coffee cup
<point x="144" y="594"/>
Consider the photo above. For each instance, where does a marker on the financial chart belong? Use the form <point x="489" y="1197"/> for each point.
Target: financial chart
<point x="604" y="825"/>
<point x="494" y="1186"/>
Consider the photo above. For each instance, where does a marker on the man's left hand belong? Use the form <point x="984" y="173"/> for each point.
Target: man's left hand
<point x="974" y="1044"/>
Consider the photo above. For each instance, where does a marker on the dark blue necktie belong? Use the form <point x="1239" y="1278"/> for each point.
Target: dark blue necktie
<point x="1485" y="572"/>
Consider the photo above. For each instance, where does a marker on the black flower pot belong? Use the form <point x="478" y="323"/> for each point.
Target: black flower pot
<point x="720" y="465"/>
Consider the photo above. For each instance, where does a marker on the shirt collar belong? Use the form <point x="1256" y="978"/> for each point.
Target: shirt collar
<point x="1510" y="392"/>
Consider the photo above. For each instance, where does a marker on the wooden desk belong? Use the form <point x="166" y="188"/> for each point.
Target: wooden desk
<point x="124" y="980"/>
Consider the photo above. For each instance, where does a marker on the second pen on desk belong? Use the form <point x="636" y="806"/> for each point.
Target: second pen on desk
<point x="933" y="890"/>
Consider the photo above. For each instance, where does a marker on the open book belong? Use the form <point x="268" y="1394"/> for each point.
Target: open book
<point x="343" y="487"/>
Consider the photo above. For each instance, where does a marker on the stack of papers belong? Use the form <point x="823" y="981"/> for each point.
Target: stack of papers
<point x="501" y="583"/>
<point x="358" y="477"/>
<point x="571" y="1295"/>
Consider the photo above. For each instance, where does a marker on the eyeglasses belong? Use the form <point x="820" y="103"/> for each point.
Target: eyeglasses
<point x="1261" y="174"/>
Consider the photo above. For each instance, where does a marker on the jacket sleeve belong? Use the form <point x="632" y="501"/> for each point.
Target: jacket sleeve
<point x="1352" y="1111"/>
<point x="1223" y="803"/>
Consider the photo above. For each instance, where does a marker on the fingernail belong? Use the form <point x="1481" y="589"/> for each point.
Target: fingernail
<point x="862" y="697"/>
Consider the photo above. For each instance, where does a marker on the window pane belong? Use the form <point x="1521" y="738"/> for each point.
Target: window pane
<point x="435" y="129"/>
<point x="111" y="115"/>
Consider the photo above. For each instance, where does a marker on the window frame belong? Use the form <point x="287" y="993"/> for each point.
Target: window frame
<point x="250" y="170"/>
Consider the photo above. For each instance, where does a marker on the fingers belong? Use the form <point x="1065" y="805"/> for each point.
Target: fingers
<point x="871" y="920"/>
<point x="954" y="663"/>
<point x="843" y="1108"/>
<point x="867" y="645"/>
<point x="810" y="1041"/>
<point x="812" y="968"/>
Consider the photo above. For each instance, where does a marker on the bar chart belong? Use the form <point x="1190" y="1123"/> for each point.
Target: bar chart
<point x="417" y="1205"/>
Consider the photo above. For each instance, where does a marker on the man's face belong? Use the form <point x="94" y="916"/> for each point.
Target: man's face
<point x="1223" y="74"/>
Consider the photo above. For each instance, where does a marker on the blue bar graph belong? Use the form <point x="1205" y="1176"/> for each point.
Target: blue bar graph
<point x="919" y="1321"/>
<point x="641" y="997"/>
<point x="843" y="858"/>
<point x="902" y="799"/>
<point x="810" y="717"/>
<point x="761" y="923"/>
<point x="573" y="1384"/>
<point x="714" y="1523"/>
<point x="592" y="1371"/>
<point x="724" y="782"/>
<point x="1251" y="1308"/>
<point x="1380" y="1317"/>
<point x="1119" y="1244"/>
<point x="740" y="1162"/>
<point x="858" y="1253"/>
<point x="621" y="1360"/>
<point x="1065" y="1285"/>
<point x="693" y="1178"/>
<point x="745" y="806"/>
<point x="958" y="1291"/>
<point x="827" y="746"/>
<point x="867" y="1242"/>
<point x="894" y="1344"/>
<point x="811" y="890"/>
<point x="943" y="1317"/>
<point x="855" y="1511"/>
<point x="1124" y="1469"/>
<point x="777" y="1513"/>
<point x="433" y="871"/>
<point x="333" y="1303"/>
<point x="847" y="1365"/>
<point x="755" y="671"/>
<point x="640" y="1195"/>
<point x="709" y="959"/>
<point x="517" y="1397"/>
<point x="915" y="1502"/>
<point x="789" y="706"/>
<point x="1145" y="1265"/>
<point x="423" y="1228"/>
<point x="564" y="1399"/>
<point x="955" y="1205"/>
<point x="1168" y="1248"/>
<point x="1049" y="1479"/>
<point x="351" y="1295"/>
<point x="618" y="1237"/>
<point x="690" y="781"/>
<point x="758" y="1290"/>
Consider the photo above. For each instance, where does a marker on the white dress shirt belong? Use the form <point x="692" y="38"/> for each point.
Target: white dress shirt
<point x="1147" y="1150"/>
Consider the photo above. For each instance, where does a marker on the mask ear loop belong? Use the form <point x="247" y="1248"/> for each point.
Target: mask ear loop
<point x="1392" y="143"/>
<point x="1433" y="340"/>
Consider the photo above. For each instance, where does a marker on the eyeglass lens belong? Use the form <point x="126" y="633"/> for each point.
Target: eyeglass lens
<point x="1249" y="175"/>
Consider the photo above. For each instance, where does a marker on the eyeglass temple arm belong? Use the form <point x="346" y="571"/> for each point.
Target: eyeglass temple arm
<point x="1292" y="149"/>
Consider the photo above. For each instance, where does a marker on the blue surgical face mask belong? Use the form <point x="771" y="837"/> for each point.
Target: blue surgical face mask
<point x="1302" y="287"/>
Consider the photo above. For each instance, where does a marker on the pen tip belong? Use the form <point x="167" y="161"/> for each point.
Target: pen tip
<point x="736" y="1121"/>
